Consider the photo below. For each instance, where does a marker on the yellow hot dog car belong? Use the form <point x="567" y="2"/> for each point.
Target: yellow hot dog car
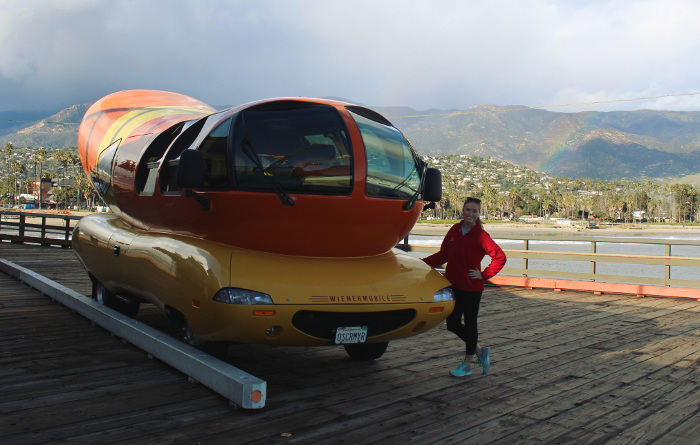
<point x="272" y="222"/>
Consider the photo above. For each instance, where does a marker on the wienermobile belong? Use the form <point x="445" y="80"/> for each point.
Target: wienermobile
<point x="274" y="222"/>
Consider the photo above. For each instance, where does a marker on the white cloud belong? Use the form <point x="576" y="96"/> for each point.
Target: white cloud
<point x="421" y="53"/>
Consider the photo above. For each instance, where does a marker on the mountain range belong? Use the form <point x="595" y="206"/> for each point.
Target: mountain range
<point x="634" y="145"/>
<point x="59" y="130"/>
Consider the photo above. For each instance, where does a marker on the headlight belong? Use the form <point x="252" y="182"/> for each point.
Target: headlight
<point x="443" y="295"/>
<point x="232" y="295"/>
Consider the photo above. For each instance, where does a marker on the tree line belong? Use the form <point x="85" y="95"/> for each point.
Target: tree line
<point x="512" y="192"/>
<point x="65" y="183"/>
<point x="507" y="191"/>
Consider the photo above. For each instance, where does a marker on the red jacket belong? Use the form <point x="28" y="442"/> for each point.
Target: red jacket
<point x="464" y="252"/>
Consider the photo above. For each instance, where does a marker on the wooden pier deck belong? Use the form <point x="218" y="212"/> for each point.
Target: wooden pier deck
<point x="567" y="368"/>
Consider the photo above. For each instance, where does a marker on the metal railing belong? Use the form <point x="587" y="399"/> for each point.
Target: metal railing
<point x="51" y="229"/>
<point x="40" y="228"/>
<point x="665" y="262"/>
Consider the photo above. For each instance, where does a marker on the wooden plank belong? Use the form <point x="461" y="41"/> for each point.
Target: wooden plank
<point x="529" y="393"/>
<point x="568" y="367"/>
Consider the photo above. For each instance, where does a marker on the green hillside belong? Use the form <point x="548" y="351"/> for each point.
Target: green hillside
<point x="621" y="145"/>
<point x="55" y="131"/>
<point x="635" y="145"/>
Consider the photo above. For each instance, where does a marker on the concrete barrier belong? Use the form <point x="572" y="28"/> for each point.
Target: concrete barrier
<point x="240" y="388"/>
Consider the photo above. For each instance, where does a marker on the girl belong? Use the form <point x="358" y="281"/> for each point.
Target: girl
<point x="464" y="246"/>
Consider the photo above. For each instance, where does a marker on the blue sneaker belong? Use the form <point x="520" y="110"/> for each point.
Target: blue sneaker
<point x="461" y="370"/>
<point x="484" y="358"/>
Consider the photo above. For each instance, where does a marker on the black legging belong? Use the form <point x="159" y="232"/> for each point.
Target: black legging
<point x="467" y="305"/>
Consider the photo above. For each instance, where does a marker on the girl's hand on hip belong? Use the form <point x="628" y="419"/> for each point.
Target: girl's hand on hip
<point x="474" y="274"/>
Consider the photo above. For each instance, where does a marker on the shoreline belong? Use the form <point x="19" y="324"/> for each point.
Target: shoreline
<point x="517" y="228"/>
<point x="635" y="230"/>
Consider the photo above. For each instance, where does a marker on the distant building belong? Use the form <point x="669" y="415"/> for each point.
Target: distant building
<point x="639" y="215"/>
<point x="42" y="190"/>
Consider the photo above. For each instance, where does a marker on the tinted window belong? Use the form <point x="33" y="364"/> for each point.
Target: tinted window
<point x="298" y="146"/>
<point x="214" y="148"/>
<point x="391" y="163"/>
<point x="184" y="140"/>
<point x="147" y="171"/>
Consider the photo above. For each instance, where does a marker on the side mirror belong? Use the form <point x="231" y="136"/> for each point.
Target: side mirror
<point x="432" y="184"/>
<point x="190" y="169"/>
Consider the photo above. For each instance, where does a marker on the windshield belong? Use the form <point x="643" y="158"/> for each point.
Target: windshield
<point x="391" y="163"/>
<point x="297" y="146"/>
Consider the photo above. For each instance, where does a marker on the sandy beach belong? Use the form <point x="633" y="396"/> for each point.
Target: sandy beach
<point x="632" y="230"/>
<point x="515" y="228"/>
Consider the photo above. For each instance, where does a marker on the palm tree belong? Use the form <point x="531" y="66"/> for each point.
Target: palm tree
<point x="84" y="188"/>
<point x="8" y="158"/>
<point x="34" y="160"/>
<point x="569" y="204"/>
<point x="501" y="204"/>
<point x="587" y="204"/>
<point x="453" y="197"/>
<point x="616" y="204"/>
<point x="41" y="157"/>
<point x="75" y="160"/>
<point x="17" y="168"/>
<point x="62" y="157"/>
<point x="652" y="206"/>
<point x="513" y="200"/>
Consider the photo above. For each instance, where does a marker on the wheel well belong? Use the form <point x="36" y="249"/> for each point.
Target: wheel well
<point x="177" y="318"/>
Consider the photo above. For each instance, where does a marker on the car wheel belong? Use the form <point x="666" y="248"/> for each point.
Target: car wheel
<point x="366" y="351"/>
<point x="128" y="307"/>
<point x="216" y="348"/>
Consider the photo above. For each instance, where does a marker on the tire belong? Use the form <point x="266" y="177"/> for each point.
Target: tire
<point x="126" y="306"/>
<point x="366" y="351"/>
<point x="218" y="349"/>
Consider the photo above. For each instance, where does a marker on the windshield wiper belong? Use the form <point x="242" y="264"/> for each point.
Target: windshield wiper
<point x="408" y="205"/>
<point x="248" y="149"/>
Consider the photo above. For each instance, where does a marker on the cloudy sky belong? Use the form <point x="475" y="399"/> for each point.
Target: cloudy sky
<point x="424" y="54"/>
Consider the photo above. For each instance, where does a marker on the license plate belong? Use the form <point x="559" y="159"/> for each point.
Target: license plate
<point x="351" y="334"/>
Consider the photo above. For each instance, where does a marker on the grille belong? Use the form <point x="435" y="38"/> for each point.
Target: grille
<point x="324" y="324"/>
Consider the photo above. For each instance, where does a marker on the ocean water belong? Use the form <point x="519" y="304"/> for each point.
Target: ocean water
<point x="630" y="270"/>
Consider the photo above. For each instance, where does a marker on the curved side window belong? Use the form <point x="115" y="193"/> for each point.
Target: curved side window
<point x="214" y="148"/>
<point x="147" y="169"/>
<point x="295" y="147"/>
<point x="102" y="175"/>
<point x="168" y="169"/>
<point x="391" y="161"/>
